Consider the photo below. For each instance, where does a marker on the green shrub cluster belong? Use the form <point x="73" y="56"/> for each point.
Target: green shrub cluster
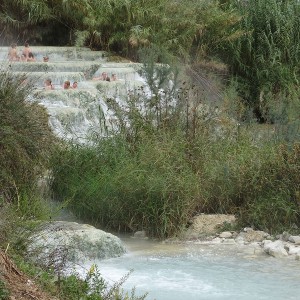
<point x="25" y="138"/>
<point x="74" y="286"/>
<point x="170" y="163"/>
<point x="25" y="146"/>
<point x="4" y="293"/>
<point x="152" y="188"/>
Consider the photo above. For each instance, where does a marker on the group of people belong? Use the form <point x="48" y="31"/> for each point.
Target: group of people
<point x="26" y="54"/>
<point x="66" y="86"/>
<point x="105" y="77"/>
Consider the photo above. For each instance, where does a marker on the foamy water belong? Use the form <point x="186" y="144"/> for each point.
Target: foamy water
<point x="194" y="272"/>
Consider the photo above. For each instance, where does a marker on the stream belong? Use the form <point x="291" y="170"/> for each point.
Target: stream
<point x="194" y="272"/>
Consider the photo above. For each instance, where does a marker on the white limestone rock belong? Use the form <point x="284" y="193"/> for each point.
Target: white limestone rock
<point x="239" y="240"/>
<point x="295" y="239"/>
<point x="60" y="241"/>
<point x="284" y="236"/>
<point x="292" y="249"/>
<point x="217" y="240"/>
<point x="275" y="249"/>
<point x="140" y="235"/>
<point x="225" y="234"/>
<point x="229" y="241"/>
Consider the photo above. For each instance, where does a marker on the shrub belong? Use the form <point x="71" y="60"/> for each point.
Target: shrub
<point x="25" y="137"/>
<point x="4" y="293"/>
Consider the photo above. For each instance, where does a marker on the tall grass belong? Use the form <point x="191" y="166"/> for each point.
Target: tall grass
<point x="171" y="162"/>
<point x="125" y="190"/>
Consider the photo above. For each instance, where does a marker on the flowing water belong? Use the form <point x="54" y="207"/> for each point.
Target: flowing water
<point x="194" y="272"/>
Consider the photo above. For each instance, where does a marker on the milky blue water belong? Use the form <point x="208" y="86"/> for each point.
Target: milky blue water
<point x="177" y="272"/>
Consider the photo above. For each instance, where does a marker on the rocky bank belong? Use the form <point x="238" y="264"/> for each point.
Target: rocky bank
<point x="207" y="229"/>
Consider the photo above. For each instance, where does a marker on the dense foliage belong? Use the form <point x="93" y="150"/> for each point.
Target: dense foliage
<point x="266" y="57"/>
<point x="182" y="27"/>
<point x="25" y="138"/>
<point x="172" y="162"/>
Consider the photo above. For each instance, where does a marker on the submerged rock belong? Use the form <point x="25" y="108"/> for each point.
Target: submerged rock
<point x="61" y="242"/>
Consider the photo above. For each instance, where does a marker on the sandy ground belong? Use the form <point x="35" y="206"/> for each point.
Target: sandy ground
<point x="204" y="225"/>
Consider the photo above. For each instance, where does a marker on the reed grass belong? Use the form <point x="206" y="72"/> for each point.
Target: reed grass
<point x="158" y="172"/>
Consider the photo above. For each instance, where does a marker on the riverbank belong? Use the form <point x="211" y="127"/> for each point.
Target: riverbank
<point x="207" y="230"/>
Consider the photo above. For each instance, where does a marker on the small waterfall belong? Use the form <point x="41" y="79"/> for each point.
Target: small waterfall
<point x="76" y="114"/>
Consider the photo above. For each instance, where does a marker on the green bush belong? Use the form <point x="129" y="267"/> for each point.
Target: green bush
<point x="25" y="138"/>
<point x="4" y="293"/>
<point x="156" y="177"/>
<point x="265" y="58"/>
<point x="147" y="189"/>
<point x="73" y="286"/>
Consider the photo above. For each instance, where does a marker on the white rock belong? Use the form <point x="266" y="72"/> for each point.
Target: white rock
<point x="140" y="234"/>
<point x="216" y="240"/>
<point x="253" y="235"/>
<point x="255" y="245"/>
<point x="60" y="241"/>
<point x="285" y="236"/>
<point x="275" y="249"/>
<point x="247" y="229"/>
<point x="226" y="234"/>
<point x="266" y="242"/>
<point x="239" y="240"/>
<point x="295" y="239"/>
<point x="293" y="250"/>
<point x="229" y="241"/>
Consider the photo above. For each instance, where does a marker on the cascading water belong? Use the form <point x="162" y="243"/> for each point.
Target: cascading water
<point x="76" y="114"/>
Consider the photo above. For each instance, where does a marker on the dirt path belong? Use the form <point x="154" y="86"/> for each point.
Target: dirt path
<point x="18" y="284"/>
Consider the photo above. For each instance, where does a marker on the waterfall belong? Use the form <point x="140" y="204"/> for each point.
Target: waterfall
<point x="75" y="114"/>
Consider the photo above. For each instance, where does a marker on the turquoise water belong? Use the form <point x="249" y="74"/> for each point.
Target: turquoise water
<point x="194" y="272"/>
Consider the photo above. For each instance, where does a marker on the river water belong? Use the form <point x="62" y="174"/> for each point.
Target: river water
<point x="194" y="272"/>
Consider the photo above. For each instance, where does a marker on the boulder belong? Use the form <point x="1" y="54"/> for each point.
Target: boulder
<point x="204" y="225"/>
<point x="60" y="242"/>
<point x="251" y="235"/>
<point x="275" y="249"/>
<point x="295" y="239"/>
<point x="140" y="235"/>
<point x="293" y="250"/>
<point x="284" y="236"/>
<point x="226" y="234"/>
